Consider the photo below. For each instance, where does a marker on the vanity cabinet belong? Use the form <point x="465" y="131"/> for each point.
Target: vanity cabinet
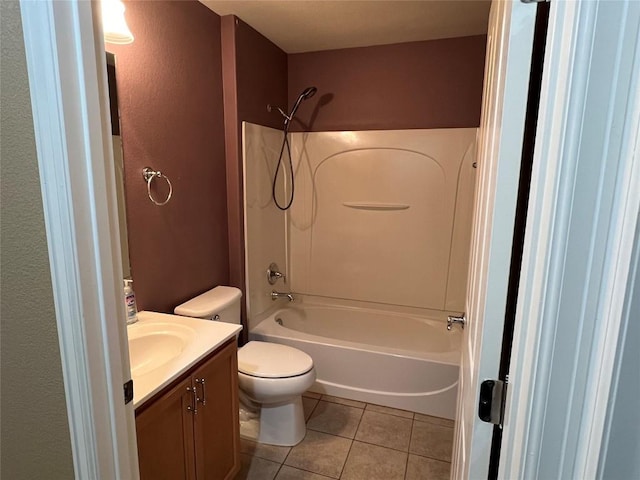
<point x="191" y="429"/>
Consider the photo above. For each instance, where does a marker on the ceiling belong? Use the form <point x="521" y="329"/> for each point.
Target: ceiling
<point x="311" y="25"/>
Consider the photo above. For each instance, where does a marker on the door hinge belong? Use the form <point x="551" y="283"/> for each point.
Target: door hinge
<point x="493" y="394"/>
<point x="128" y="391"/>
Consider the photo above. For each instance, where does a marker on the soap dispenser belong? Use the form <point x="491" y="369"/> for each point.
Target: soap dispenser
<point x="130" y="302"/>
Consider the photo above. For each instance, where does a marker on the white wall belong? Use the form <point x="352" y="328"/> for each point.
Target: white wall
<point x="383" y="216"/>
<point x="265" y="240"/>
<point x="378" y="216"/>
<point x="35" y="432"/>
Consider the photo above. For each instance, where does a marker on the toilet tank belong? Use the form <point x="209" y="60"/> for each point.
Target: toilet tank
<point x="220" y="303"/>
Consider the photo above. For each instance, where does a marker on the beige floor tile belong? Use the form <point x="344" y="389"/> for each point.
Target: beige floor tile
<point x="335" y="419"/>
<point x="371" y="462"/>
<point x="262" y="450"/>
<point x="290" y="473"/>
<point x="430" y="440"/>
<point x="385" y="430"/>
<point x="320" y="453"/>
<point x="343" y="401"/>
<point x="308" y="404"/>
<point x="309" y="394"/>
<point x="255" y="468"/>
<point x="390" y="411"/>
<point x="423" y="468"/>
<point x="445" y="422"/>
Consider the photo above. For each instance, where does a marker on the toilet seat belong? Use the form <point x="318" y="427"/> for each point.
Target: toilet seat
<point x="272" y="360"/>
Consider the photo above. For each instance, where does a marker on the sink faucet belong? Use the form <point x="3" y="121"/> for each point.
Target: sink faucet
<point x="276" y="295"/>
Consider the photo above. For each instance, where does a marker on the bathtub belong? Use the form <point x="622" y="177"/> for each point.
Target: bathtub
<point x="397" y="360"/>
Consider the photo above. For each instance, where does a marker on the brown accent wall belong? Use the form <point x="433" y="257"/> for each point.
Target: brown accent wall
<point x="430" y="84"/>
<point x="171" y="109"/>
<point x="255" y="74"/>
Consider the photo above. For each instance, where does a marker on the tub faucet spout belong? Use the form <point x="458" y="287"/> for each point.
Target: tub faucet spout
<point x="276" y="295"/>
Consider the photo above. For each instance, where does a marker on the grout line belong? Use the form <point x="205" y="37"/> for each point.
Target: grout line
<point x="351" y="445"/>
<point x="412" y="417"/>
<point x="431" y="458"/>
<point x="306" y="395"/>
<point x="346" y="459"/>
<point x="254" y="454"/>
<point x="328" y="433"/>
<point x="406" y="466"/>
<point x="435" y="424"/>
<point x="289" y="452"/>
<point x="278" y="471"/>
<point x="332" y="434"/>
<point x="331" y="400"/>
<point x="384" y="446"/>
<point x="389" y="415"/>
<point x="312" y="411"/>
<point x="311" y="471"/>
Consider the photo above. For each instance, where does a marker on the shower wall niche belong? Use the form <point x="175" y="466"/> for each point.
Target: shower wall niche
<point x="378" y="216"/>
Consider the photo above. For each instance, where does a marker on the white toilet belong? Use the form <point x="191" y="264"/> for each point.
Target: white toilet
<point x="271" y="376"/>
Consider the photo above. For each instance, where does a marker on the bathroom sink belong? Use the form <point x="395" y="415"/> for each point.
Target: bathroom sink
<point x="156" y="343"/>
<point x="163" y="346"/>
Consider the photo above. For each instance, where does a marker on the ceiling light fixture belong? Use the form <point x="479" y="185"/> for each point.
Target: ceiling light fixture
<point x="114" y="24"/>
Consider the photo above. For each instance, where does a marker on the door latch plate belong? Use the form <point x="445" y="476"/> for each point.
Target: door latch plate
<point x="491" y="403"/>
<point x="128" y="391"/>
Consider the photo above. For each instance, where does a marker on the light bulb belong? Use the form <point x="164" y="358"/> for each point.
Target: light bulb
<point x="114" y="24"/>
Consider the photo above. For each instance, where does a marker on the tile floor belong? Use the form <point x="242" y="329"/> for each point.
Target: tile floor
<point x="352" y="440"/>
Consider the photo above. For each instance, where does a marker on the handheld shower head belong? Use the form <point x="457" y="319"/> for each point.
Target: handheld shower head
<point x="306" y="93"/>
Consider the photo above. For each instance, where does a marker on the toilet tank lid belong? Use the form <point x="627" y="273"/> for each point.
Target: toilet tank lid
<point x="209" y="303"/>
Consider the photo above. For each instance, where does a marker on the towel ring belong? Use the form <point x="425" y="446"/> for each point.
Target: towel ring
<point x="149" y="174"/>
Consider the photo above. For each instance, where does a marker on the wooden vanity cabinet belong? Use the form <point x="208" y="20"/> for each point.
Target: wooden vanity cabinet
<point x="191" y="430"/>
<point x="164" y="430"/>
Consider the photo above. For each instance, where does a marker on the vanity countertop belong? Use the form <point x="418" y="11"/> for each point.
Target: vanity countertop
<point x="162" y="347"/>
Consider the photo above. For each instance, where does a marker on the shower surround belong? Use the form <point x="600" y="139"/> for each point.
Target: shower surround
<point x="376" y="243"/>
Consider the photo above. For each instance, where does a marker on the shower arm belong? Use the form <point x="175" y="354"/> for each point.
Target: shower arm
<point x="287" y="117"/>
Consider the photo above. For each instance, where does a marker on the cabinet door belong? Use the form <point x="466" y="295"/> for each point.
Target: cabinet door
<point x="217" y="427"/>
<point x="165" y="436"/>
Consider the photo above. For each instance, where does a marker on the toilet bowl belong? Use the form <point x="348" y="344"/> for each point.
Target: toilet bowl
<point x="274" y="376"/>
<point x="271" y="377"/>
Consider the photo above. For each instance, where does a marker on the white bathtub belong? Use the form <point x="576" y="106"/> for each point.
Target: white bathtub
<point x="397" y="360"/>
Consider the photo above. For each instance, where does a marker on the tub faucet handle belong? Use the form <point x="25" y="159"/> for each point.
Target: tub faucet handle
<point x="276" y="295"/>
<point x="273" y="274"/>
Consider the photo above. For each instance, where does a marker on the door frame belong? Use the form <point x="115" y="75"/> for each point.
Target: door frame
<point x="67" y="80"/>
<point x="500" y="143"/>
<point x="69" y="97"/>
<point x="568" y="316"/>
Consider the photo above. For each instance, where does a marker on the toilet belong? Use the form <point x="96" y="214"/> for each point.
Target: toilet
<point x="271" y="376"/>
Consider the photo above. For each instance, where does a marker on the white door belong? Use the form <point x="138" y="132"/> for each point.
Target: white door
<point x="507" y="67"/>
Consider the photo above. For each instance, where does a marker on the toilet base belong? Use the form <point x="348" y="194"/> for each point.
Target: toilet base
<point x="278" y="424"/>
